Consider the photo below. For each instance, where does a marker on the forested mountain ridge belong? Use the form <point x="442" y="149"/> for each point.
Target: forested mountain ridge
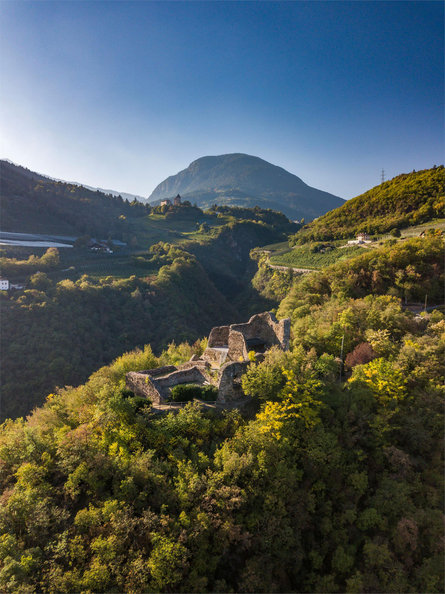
<point x="33" y="203"/>
<point x="408" y="199"/>
<point x="335" y="484"/>
<point x="244" y="180"/>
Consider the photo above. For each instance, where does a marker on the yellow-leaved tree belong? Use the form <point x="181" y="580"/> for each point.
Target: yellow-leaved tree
<point x="300" y="403"/>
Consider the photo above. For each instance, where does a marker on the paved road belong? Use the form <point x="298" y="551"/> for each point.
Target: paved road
<point x="285" y="268"/>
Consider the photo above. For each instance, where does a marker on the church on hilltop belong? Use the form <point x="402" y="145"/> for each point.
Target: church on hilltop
<point x="176" y="201"/>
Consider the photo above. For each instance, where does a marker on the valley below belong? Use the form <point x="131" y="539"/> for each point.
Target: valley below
<point x="330" y="474"/>
<point x="79" y="308"/>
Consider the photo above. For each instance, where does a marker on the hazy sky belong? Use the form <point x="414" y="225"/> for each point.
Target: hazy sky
<point x="122" y="94"/>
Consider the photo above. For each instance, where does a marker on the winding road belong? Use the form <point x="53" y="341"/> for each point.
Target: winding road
<point x="285" y="268"/>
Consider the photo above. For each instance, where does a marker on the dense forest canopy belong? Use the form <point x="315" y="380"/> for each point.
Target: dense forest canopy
<point x="408" y="199"/>
<point x="63" y="331"/>
<point x="330" y="479"/>
<point x="332" y="483"/>
<point x="32" y="203"/>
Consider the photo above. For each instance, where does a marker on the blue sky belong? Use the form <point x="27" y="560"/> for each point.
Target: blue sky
<point x="122" y="94"/>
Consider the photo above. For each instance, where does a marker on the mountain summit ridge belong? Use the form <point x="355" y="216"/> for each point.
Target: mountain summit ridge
<point x="246" y="180"/>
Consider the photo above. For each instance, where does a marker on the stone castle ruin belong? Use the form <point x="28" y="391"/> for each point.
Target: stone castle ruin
<point x="222" y="364"/>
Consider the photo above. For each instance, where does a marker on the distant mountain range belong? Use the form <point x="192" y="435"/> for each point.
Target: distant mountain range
<point x="244" y="180"/>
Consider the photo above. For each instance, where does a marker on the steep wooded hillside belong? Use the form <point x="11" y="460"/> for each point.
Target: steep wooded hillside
<point x="408" y="199"/>
<point x="58" y="333"/>
<point x="32" y="203"/>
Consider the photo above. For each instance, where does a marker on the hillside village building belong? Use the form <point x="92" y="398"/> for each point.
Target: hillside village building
<point x="4" y="284"/>
<point x="361" y="238"/>
<point x="177" y="200"/>
<point x="222" y="364"/>
<point x="99" y="246"/>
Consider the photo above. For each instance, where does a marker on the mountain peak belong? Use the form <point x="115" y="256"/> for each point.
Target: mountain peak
<point x="245" y="180"/>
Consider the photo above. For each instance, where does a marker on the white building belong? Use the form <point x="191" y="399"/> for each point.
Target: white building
<point x="361" y="238"/>
<point x="4" y="284"/>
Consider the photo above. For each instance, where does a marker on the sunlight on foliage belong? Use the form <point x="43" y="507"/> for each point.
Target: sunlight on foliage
<point x="387" y="383"/>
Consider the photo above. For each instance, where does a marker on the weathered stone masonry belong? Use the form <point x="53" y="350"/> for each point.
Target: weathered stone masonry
<point x="222" y="364"/>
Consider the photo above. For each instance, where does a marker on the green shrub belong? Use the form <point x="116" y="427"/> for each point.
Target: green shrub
<point x="126" y="393"/>
<point x="187" y="392"/>
<point x="137" y="403"/>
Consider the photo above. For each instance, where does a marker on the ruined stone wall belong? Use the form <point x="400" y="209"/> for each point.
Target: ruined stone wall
<point x="283" y="333"/>
<point x="229" y="387"/>
<point x="267" y="328"/>
<point x="281" y="329"/>
<point x="182" y="376"/>
<point x="157" y="371"/>
<point x="155" y="384"/>
<point x="199" y="363"/>
<point x="142" y="385"/>
<point x="259" y="326"/>
<point x="215" y="355"/>
<point x="237" y="346"/>
<point x="219" y="336"/>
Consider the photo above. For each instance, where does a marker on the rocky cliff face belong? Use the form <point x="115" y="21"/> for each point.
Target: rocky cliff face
<point x="244" y="180"/>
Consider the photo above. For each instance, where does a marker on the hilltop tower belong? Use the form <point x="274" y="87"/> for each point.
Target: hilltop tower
<point x="177" y="200"/>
